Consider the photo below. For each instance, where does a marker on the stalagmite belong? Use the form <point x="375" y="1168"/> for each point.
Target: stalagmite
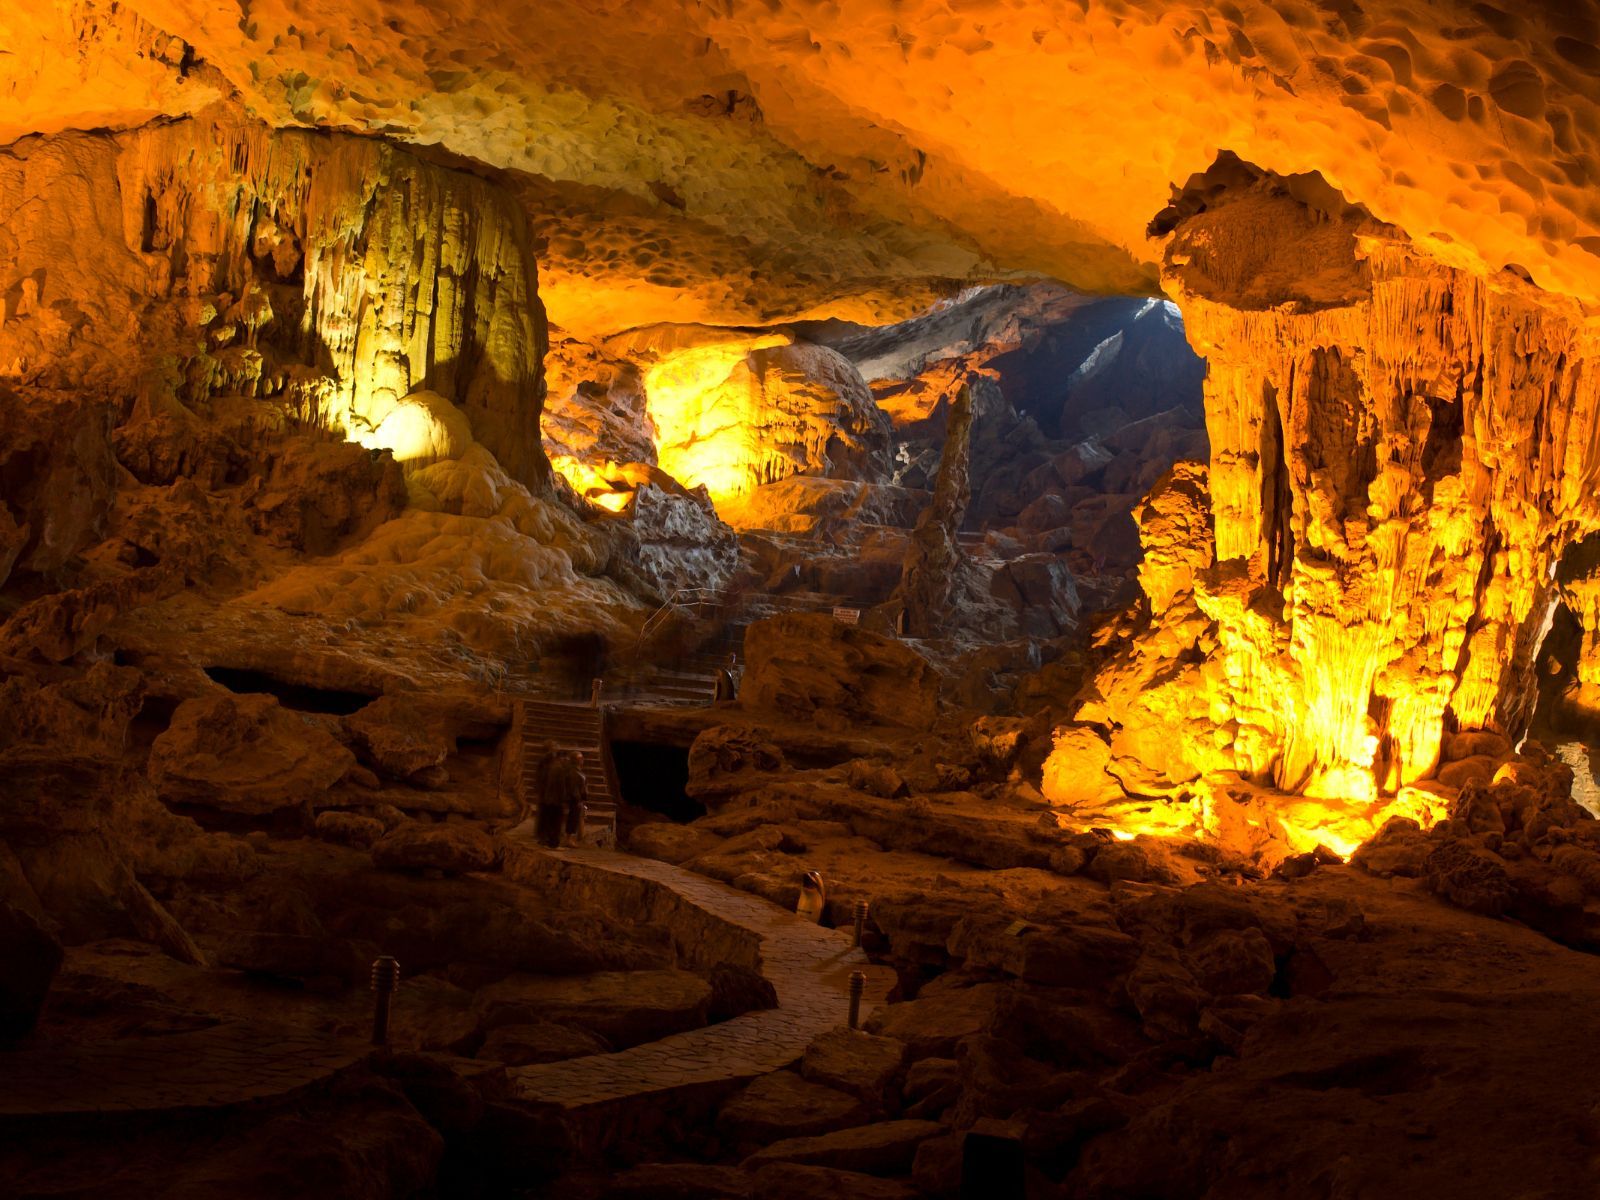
<point x="934" y="560"/>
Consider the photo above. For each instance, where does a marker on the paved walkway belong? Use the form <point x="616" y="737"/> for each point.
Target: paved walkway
<point x="808" y="966"/>
<point x="216" y="1067"/>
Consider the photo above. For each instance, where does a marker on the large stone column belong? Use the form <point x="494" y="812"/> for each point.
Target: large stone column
<point x="1400" y="451"/>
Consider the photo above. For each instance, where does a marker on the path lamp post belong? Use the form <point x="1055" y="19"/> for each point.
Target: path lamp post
<point x="858" y="984"/>
<point x="385" y="982"/>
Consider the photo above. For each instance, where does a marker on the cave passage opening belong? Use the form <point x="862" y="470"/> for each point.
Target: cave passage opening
<point x="1115" y="362"/>
<point x="655" y="777"/>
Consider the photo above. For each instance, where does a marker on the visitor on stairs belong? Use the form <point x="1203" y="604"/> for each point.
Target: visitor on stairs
<point x="548" y="821"/>
<point x="565" y="791"/>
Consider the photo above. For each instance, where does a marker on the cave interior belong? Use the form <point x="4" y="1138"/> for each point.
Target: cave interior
<point x="765" y="600"/>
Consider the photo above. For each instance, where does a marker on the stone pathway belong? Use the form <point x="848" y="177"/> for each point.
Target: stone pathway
<point x="216" y="1067"/>
<point x="808" y="966"/>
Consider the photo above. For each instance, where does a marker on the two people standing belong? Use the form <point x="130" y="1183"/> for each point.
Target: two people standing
<point x="560" y="804"/>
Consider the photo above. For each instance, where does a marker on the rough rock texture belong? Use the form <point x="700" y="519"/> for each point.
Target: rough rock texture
<point x="806" y="664"/>
<point x="265" y="262"/>
<point x="840" y="146"/>
<point x="32" y="958"/>
<point x="731" y="415"/>
<point x="934" y="562"/>
<point x="679" y="543"/>
<point x="783" y="1105"/>
<point x="1396" y="456"/>
<point x="59" y="478"/>
<point x="451" y="848"/>
<point x="245" y="754"/>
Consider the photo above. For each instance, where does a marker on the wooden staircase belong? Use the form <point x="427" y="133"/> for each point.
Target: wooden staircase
<point x="579" y="727"/>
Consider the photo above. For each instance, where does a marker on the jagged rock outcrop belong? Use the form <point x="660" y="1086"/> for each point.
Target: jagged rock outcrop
<point x="811" y="667"/>
<point x="934" y="562"/>
<point x="1398" y="459"/>
<point x="734" y="411"/>
<point x="335" y="275"/>
<point x="679" y="543"/>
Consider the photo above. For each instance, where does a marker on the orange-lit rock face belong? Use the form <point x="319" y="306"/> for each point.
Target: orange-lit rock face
<point x="335" y="275"/>
<point x="731" y="415"/>
<point x="1400" y="454"/>
<point x="760" y="160"/>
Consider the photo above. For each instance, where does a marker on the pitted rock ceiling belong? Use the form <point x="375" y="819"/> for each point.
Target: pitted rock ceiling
<point x="748" y="161"/>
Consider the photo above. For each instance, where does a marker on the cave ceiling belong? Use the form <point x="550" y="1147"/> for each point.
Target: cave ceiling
<point x="751" y="161"/>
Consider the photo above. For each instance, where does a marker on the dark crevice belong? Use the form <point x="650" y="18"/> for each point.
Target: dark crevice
<point x="291" y="695"/>
<point x="656" y="777"/>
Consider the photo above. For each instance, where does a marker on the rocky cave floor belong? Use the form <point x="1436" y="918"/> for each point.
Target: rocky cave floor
<point x="1145" y="1018"/>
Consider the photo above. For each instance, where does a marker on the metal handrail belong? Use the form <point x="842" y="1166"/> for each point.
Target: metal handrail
<point x="673" y="604"/>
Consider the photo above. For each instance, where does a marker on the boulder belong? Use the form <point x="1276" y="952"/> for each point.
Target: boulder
<point x="626" y="1008"/>
<point x="1232" y="962"/>
<point x="540" y="1042"/>
<point x="726" y="759"/>
<point x="1076" y="772"/>
<point x="1079" y="955"/>
<point x="1399" y="848"/>
<point x="936" y="1170"/>
<point x="737" y="989"/>
<point x="244" y="754"/>
<point x="932" y="1025"/>
<point x="857" y="1062"/>
<point x="396" y="737"/>
<point x="671" y="843"/>
<point x="932" y="1085"/>
<point x="886" y="1148"/>
<point x="1042" y="591"/>
<point x="876" y="779"/>
<point x="793" y="1181"/>
<point x="1478" y="768"/>
<point x="783" y="1105"/>
<point x="1469" y="877"/>
<point x="679" y="1181"/>
<point x="452" y="848"/>
<point x="288" y="955"/>
<point x="352" y="829"/>
<point x="1475" y="743"/>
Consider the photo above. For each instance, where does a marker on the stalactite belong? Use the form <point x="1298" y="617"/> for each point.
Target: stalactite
<point x="275" y="263"/>
<point x="1388" y="579"/>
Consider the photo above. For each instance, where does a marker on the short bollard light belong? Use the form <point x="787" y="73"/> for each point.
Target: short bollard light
<point x="861" y="919"/>
<point x="858" y="985"/>
<point x="385" y="982"/>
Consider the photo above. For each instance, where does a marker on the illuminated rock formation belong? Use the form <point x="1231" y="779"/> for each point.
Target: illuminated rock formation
<point x="734" y="411"/>
<point x="752" y="162"/>
<point x="335" y="276"/>
<point x="1400" y="454"/>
